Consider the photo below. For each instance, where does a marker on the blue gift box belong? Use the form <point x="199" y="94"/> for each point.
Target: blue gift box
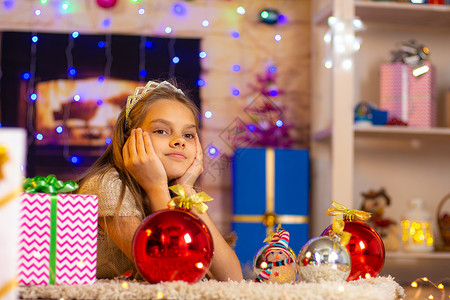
<point x="270" y="187"/>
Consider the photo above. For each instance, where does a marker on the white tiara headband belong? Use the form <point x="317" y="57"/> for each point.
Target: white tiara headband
<point x="142" y="91"/>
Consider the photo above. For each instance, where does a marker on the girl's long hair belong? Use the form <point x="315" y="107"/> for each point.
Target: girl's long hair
<point x="113" y="158"/>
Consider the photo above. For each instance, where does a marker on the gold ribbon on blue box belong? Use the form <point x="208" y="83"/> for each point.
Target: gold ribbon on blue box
<point x="270" y="187"/>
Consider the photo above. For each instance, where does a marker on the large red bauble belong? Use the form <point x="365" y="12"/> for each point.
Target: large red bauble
<point x="171" y="245"/>
<point x="106" y="3"/>
<point x="366" y="249"/>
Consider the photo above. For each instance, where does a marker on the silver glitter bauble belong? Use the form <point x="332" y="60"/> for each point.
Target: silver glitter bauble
<point x="324" y="259"/>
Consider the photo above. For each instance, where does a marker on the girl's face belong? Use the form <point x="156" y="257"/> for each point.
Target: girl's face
<point x="172" y="130"/>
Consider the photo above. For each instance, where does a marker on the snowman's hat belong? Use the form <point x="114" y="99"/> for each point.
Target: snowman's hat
<point x="279" y="242"/>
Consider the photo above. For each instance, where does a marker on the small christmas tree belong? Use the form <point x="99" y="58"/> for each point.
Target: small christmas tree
<point x="267" y="127"/>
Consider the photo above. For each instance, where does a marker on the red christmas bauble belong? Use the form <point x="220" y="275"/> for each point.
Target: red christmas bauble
<point x="366" y="249"/>
<point x="171" y="245"/>
<point x="106" y="3"/>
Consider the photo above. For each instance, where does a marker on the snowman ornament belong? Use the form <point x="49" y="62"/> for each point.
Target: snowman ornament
<point x="278" y="266"/>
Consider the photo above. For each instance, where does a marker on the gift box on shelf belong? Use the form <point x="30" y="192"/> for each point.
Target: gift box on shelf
<point x="12" y="158"/>
<point x="270" y="187"/>
<point x="409" y="98"/>
<point x="58" y="238"/>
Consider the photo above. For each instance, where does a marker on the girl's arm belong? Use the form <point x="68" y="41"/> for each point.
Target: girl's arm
<point x="225" y="264"/>
<point x="144" y="165"/>
<point x="121" y="231"/>
<point x="146" y="168"/>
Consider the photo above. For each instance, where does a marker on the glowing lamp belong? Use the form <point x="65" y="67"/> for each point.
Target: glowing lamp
<point x="179" y="9"/>
<point x="201" y="82"/>
<point x="75" y="160"/>
<point x="269" y="16"/>
<point x="208" y="114"/>
<point x="417" y="234"/>
<point x="26" y="76"/>
<point x="39" y="136"/>
<point x="106" y="23"/>
<point x="65" y="6"/>
<point x="212" y="151"/>
<point x="240" y="10"/>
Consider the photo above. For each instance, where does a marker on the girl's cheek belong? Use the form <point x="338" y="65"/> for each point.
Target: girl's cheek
<point x="156" y="143"/>
<point x="156" y="137"/>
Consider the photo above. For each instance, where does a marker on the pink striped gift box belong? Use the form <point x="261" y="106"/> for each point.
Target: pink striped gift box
<point x="58" y="239"/>
<point x="408" y="98"/>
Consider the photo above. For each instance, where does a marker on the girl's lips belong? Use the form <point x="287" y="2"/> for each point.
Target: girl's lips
<point x="176" y="155"/>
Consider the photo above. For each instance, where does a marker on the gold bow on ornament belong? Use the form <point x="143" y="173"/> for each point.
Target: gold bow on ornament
<point x="349" y="214"/>
<point x="272" y="233"/>
<point x="337" y="229"/>
<point x="188" y="202"/>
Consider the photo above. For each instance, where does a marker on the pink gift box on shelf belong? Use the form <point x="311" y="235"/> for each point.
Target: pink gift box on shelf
<point x="406" y="97"/>
<point x="58" y="239"/>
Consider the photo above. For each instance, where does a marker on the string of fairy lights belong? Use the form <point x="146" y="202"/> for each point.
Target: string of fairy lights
<point x="423" y="288"/>
<point x="269" y="16"/>
<point x="342" y="43"/>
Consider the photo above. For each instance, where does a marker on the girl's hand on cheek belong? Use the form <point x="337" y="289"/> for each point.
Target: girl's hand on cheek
<point x="142" y="162"/>
<point x="188" y="179"/>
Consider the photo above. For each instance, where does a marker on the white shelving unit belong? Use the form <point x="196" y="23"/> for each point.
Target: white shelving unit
<point x="347" y="160"/>
<point x="393" y="13"/>
<point x="393" y="132"/>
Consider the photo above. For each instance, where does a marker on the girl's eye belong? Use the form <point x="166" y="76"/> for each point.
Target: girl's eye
<point x="160" y="131"/>
<point x="189" y="136"/>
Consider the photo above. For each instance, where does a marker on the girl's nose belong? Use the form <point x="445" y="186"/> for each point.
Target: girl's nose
<point x="178" y="142"/>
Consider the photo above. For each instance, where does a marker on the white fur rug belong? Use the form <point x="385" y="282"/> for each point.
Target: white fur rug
<point x="382" y="288"/>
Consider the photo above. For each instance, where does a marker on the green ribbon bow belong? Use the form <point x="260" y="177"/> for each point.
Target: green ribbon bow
<point x="50" y="185"/>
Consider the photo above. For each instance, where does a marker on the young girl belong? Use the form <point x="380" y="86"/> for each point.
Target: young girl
<point x="155" y="145"/>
